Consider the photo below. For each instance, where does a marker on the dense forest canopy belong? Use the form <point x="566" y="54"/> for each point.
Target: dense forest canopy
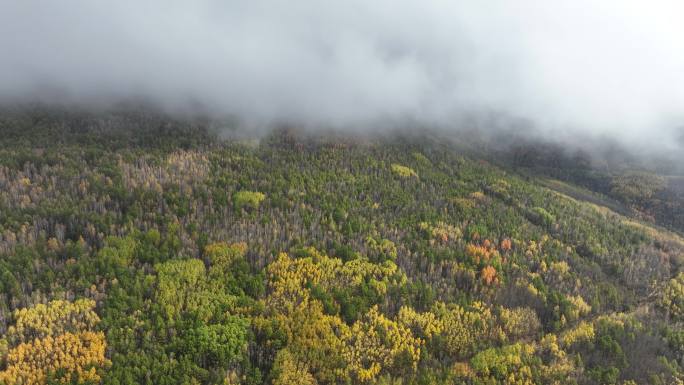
<point x="140" y="249"/>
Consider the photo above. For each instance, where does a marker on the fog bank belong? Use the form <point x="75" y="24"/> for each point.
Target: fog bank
<point x="571" y="68"/>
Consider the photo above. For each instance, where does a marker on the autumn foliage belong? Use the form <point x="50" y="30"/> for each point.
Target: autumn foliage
<point x="140" y="250"/>
<point x="55" y="340"/>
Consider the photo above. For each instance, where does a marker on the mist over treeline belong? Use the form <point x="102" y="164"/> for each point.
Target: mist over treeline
<point x="509" y="141"/>
<point x="576" y="73"/>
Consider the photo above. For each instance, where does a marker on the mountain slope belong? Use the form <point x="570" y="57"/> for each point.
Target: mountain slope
<point x="302" y="258"/>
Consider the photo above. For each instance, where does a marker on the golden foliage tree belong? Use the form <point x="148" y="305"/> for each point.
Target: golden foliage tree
<point x="56" y="317"/>
<point x="376" y="344"/>
<point x="464" y="330"/>
<point x="77" y="354"/>
<point x="288" y="371"/>
<point x="315" y="340"/>
<point x="425" y="325"/>
<point x="403" y="171"/>
<point x="54" y="340"/>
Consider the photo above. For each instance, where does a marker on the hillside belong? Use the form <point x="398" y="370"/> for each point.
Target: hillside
<point x="649" y="187"/>
<point x="139" y="249"/>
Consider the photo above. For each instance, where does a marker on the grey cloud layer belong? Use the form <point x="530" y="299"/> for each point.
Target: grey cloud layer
<point x="612" y="67"/>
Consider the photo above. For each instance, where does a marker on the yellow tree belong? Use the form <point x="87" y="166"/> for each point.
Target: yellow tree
<point x="77" y="354"/>
<point x="426" y="325"/>
<point x="324" y="342"/>
<point x="315" y="340"/>
<point x="375" y="344"/>
<point x="54" y="339"/>
<point x="288" y="371"/>
<point x="56" y="317"/>
<point x="464" y="330"/>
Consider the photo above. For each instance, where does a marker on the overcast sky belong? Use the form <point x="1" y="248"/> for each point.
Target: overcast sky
<point x="612" y="67"/>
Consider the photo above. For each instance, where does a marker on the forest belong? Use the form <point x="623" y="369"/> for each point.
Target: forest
<point x="137" y="248"/>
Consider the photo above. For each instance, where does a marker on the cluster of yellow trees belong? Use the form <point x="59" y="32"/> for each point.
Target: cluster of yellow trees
<point x="403" y="171"/>
<point x="54" y="340"/>
<point x="44" y="320"/>
<point x="322" y="348"/>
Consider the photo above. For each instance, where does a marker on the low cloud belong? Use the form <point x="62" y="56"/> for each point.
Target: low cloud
<point x="573" y="68"/>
